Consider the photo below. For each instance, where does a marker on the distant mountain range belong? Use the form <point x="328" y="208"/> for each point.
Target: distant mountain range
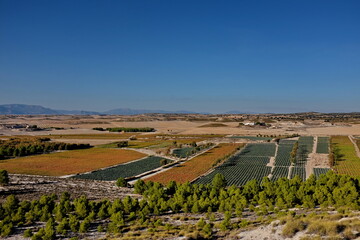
<point x="24" y="109"/>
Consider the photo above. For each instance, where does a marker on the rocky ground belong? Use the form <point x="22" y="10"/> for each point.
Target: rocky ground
<point x="29" y="187"/>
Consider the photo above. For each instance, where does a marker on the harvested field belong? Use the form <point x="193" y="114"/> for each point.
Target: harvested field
<point x="347" y="162"/>
<point x="69" y="162"/>
<point x="190" y="170"/>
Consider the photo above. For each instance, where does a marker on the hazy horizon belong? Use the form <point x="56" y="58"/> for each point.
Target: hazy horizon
<point x="202" y="56"/>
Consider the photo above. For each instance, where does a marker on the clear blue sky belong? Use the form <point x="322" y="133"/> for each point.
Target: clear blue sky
<point x="208" y="56"/>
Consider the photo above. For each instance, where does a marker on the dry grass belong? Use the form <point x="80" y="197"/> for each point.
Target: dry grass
<point x="348" y="163"/>
<point x="69" y="162"/>
<point x="190" y="170"/>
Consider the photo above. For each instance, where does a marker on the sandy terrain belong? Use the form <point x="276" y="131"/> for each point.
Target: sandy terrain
<point x="84" y="125"/>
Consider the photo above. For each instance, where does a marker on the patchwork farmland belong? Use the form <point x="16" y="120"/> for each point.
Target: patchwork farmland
<point x="249" y="164"/>
<point x="69" y="162"/>
<point x="197" y="166"/>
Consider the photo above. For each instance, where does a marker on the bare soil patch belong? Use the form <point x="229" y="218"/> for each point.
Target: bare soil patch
<point x="27" y="187"/>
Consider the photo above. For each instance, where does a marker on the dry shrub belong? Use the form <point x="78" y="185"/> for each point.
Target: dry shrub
<point x="292" y="227"/>
<point x="326" y="228"/>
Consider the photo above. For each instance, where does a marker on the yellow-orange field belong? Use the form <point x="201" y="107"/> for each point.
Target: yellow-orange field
<point x="69" y="162"/>
<point x="190" y="170"/>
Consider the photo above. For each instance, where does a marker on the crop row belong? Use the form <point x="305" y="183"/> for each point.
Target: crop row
<point x="238" y="175"/>
<point x="322" y="145"/>
<point x="286" y="141"/>
<point x="305" y="147"/>
<point x="300" y="171"/>
<point x="346" y="162"/>
<point x="69" y="162"/>
<point x="249" y="164"/>
<point x="280" y="172"/>
<point x="283" y="155"/>
<point x="197" y="166"/>
<point x="319" y="171"/>
<point x="126" y="170"/>
<point x="239" y="159"/>
<point x="259" y="149"/>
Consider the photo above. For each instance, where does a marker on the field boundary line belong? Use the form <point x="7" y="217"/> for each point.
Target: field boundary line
<point x="355" y="145"/>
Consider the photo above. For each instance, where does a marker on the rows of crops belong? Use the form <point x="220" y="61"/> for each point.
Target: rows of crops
<point x="346" y="159"/>
<point x="283" y="154"/>
<point x="286" y="141"/>
<point x="280" y="172"/>
<point x="69" y="162"/>
<point x="249" y="164"/>
<point x="125" y="170"/>
<point x="259" y="149"/>
<point x="238" y="175"/>
<point x="322" y="145"/>
<point x="300" y="171"/>
<point x="319" y="171"/>
<point x="305" y="147"/>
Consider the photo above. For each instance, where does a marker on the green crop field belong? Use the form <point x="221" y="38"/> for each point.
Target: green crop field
<point x="322" y="145"/>
<point x="305" y="147"/>
<point x="280" y="172"/>
<point x="249" y="164"/>
<point x="283" y="154"/>
<point x="125" y="170"/>
<point x="346" y="160"/>
<point x="300" y="171"/>
<point x="319" y="171"/>
<point x="183" y="152"/>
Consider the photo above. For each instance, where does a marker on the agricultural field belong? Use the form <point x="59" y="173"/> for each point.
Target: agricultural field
<point x="346" y="160"/>
<point x="319" y="171"/>
<point x="69" y="162"/>
<point x="92" y="136"/>
<point x="183" y="152"/>
<point x="300" y="171"/>
<point x="322" y="145"/>
<point x="283" y="155"/>
<point x="248" y="164"/>
<point x="197" y="166"/>
<point x="280" y="172"/>
<point x="150" y="144"/>
<point x="126" y="170"/>
<point x="254" y="138"/>
<point x="259" y="149"/>
<point x="238" y="175"/>
<point x="305" y="147"/>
